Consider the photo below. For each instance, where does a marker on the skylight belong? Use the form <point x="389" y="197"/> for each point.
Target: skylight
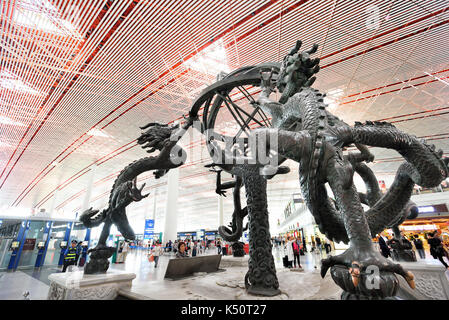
<point x="98" y="133"/>
<point x="211" y="60"/>
<point x="42" y="15"/>
<point x="4" y="145"/>
<point x="332" y="98"/>
<point x="9" y="121"/>
<point x="12" y="82"/>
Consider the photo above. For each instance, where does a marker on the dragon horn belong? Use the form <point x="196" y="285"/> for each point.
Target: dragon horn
<point x="149" y="125"/>
<point x="313" y="49"/>
<point x="296" y="48"/>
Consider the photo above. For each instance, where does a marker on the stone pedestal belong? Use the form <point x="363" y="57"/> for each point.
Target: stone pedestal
<point x="231" y="261"/>
<point x="403" y="255"/>
<point x="432" y="282"/>
<point x="79" y="286"/>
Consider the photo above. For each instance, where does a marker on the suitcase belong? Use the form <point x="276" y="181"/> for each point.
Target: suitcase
<point x="286" y="263"/>
<point x="82" y="261"/>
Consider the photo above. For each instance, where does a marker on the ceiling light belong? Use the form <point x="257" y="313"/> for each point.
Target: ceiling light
<point x="42" y="15"/>
<point x="332" y="97"/>
<point x="9" y="121"/>
<point x="98" y="133"/>
<point x="12" y="82"/>
<point x="437" y="78"/>
<point x="334" y="93"/>
<point x="211" y="60"/>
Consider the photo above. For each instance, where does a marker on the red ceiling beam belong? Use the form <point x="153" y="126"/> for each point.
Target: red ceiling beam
<point x="387" y="32"/>
<point x="387" y="43"/>
<point x="193" y="53"/>
<point x="396" y="83"/>
<point x="345" y="103"/>
<point x="52" y="89"/>
<point x="395" y="90"/>
<point x="409" y="23"/>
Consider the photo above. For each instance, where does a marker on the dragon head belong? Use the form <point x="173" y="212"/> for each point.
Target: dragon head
<point x="297" y="70"/>
<point x="156" y="136"/>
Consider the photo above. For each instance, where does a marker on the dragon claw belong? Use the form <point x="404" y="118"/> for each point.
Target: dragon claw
<point x="135" y="192"/>
<point x="353" y="268"/>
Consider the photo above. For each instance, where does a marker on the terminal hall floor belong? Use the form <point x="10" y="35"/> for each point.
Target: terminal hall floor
<point x="149" y="283"/>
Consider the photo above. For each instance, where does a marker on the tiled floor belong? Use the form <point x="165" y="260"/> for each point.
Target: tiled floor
<point x="14" y="284"/>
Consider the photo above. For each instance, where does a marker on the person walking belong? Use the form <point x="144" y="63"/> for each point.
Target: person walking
<point x="175" y="246"/>
<point x="290" y="252"/>
<point x="296" y="244"/>
<point x="419" y="246"/>
<point x="194" y="249"/>
<point x="327" y="246"/>
<point x="318" y="243"/>
<point x="436" y="248"/>
<point x="189" y="247"/>
<point x="384" y="248"/>
<point x="203" y="247"/>
<point x="316" y="253"/>
<point x="125" y="250"/>
<point x="157" y="252"/>
<point x="70" y="256"/>
<point x="219" y="246"/>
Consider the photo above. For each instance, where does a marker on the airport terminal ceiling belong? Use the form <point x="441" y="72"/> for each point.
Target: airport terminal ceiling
<point x="78" y="78"/>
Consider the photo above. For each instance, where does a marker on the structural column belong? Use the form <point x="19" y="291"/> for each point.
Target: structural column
<point x="220" y="211"/>
<point x="150" y="213"/>
<point x="171" y="211"/>
<point x="53" y="203"/>
<point x="154" y="205"/>
<point x="89" y="188"/>
<point x="86" y="206"/>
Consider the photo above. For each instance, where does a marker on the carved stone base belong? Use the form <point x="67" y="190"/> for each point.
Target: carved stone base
<point x="403" y="255"/>
<point x="385" y="286"/>
<point x="431" y="279"/>
<point x="79" y="286"/>
<point x="231" y="261"/>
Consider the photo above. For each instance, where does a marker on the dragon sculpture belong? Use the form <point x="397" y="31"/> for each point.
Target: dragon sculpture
<point x="313" y="137"/>
<point x="234" y="234"/>
<point x="310" y="135"/>
<point x="125" y="191"/>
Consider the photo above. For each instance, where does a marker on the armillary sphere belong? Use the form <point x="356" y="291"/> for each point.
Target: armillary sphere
<point x="229" y="108"/>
